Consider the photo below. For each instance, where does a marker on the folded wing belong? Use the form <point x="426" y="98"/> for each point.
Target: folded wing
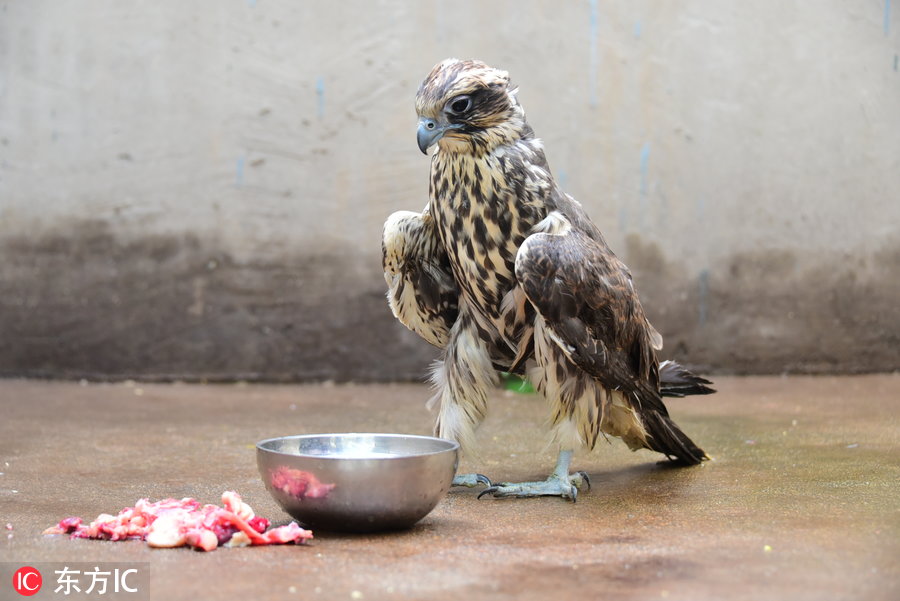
<point x="586" y="297"/>
<point x="421" y="290"/>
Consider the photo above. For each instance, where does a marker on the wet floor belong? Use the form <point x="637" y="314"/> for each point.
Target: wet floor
<point x="800" y="501"/>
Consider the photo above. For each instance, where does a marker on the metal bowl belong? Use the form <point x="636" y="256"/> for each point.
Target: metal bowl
<point x="357" y="482"/>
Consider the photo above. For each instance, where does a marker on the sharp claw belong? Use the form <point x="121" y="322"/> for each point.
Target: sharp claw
<point x="488" y="491"/>
<point x="471" y="480"/>
<point x="484" y="480"/>
<point x="586" y="479"/>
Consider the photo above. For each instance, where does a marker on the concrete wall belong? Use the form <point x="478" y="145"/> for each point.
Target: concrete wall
<point x="196" y="189"/>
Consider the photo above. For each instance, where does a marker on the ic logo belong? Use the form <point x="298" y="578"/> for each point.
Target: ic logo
<point x="27" y="581"/>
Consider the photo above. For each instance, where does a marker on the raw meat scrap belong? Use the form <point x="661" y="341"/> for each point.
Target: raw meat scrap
<point x="174" y="523"/>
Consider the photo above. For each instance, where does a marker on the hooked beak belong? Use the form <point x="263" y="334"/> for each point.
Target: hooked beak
<point x="430" y="131"/>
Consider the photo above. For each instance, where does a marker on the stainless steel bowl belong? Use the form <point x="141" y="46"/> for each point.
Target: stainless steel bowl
<point x="357" y="482"/>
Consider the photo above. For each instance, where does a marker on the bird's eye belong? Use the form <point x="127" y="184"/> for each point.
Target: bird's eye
<point x="459" y="105"/>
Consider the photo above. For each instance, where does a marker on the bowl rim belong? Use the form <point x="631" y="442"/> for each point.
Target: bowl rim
<point x="454" y="446"/>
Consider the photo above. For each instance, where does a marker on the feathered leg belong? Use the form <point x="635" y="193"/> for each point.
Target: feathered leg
<point x="577" y="406"/>
<point x="463" y="378"/>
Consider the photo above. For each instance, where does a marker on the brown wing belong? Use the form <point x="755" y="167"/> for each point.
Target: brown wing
<point x="586" y="296"/>
<point x="421" y="290"/>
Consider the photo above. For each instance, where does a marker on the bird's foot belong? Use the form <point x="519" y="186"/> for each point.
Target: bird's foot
<point x="555" y="486"/>
<point x="471" y="480"/>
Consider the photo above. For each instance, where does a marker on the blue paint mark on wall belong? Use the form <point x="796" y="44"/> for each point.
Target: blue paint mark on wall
<point x="645" y="161"/>
<point x="562" y="177"/>
<point x="441" y="22"/>
<point x="703" y="296"/>
<point x="592" y="63"/>
<point x="699" y="208"/>
<point x="887" y="17"/>
<point x="320" y="97"/>
<point x="637" y="29"/>
<point x="643" y="200"/>
<point x="239" y="171"/>
<point x="251" y="3"/>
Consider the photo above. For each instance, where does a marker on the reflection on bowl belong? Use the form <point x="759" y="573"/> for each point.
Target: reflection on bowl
<point x="298" y="483"/>
<point x="357" y="482"/>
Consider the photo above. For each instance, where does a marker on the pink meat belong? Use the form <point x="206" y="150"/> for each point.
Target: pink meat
<point x="174" y="523"/>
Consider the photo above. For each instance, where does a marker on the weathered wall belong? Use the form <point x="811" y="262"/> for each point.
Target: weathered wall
<point x="197" y="189"/>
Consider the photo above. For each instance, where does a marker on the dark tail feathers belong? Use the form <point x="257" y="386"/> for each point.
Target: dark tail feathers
<point x="675" y="380"/>
<point x="664" y="436"/>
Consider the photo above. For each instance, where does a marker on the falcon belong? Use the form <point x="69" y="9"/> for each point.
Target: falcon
<point x="504" y="272"/>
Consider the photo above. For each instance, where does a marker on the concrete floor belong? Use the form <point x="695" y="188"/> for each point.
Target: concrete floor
<point x="800" y="502"/>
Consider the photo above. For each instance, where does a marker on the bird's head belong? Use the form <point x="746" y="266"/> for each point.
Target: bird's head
<point x="467" y="107"/>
